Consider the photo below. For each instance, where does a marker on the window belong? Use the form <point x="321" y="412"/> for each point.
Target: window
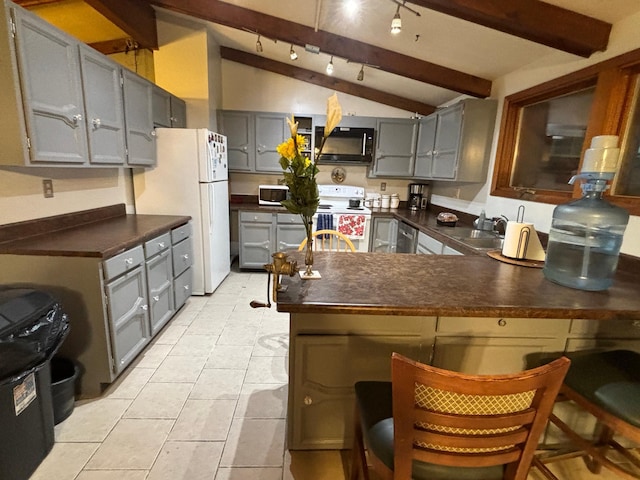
<point x="546" y="129"/>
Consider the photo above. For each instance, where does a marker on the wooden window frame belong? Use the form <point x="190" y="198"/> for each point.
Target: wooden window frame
<point x="611" y="109"/>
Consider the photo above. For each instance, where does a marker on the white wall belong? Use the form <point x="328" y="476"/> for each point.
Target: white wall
<point x="625" y="36"/>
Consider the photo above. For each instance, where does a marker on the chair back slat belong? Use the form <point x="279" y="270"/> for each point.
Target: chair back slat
<point x="456" y="419"/>
<point x="329" y="241"/>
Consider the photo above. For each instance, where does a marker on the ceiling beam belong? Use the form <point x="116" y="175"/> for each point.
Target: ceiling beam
<point x="358" y="52"/>
<point x="137" y="19"/>
<point x="325" y="81"/>
<point x="532" y="20"/>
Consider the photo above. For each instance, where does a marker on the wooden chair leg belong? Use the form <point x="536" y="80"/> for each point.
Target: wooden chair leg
<point x="358" y="457"/>
<point x="548" y="474"/>
<point x="604" y="439"/>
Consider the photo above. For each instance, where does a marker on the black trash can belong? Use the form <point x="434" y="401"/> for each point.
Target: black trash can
<point x="63" y="388"/>
<point x="32" y="328"/>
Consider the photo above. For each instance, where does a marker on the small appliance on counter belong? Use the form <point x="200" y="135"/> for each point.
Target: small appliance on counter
<point x="417" y="191"/>
<point x="272" y="194"/>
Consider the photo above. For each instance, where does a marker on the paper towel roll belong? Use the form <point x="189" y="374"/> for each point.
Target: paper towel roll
<point x="521" y="242"/>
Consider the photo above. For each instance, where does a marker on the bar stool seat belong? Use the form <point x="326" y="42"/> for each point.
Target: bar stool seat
<point x="607" y="385"/>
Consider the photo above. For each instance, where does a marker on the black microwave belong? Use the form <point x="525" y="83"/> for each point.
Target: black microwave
<point x="346" y="145"/>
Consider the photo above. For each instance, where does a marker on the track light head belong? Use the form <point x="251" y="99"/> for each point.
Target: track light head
<point x="361" y="74"/>
<point x="292" y="53"/>
<point x="330" y="66"/>
<point x="396" y="23"/>
<point x="258" y="45"/>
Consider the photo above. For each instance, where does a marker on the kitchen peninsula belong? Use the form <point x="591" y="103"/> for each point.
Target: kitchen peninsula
<point x="467" y="313"/>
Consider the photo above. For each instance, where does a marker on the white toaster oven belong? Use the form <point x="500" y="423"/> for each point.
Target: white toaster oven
<point x="272" y="194"/>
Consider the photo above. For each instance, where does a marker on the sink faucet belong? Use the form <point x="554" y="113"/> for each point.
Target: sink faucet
<point x="500" y="224"/>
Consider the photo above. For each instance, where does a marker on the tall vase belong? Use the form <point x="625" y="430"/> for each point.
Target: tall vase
<point x="308" y="256"/>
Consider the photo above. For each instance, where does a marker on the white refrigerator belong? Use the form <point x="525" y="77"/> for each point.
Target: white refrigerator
<point x="191" y="178"/>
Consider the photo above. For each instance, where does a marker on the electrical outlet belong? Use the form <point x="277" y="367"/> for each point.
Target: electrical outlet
<point x="383" y="186"/>
<point x="47" y="188"/>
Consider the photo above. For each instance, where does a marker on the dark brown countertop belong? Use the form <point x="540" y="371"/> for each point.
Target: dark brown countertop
<point x="102" y="233"/>
<point x="406" y="284"/>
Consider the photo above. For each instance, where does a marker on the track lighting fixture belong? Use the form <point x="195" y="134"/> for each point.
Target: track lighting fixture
<point x="361" y="73"/>
<point x="396" y="23"/>
<point x="292" y="53"/>
<point x="258" y="45"/>
<point x="330" y="66"/>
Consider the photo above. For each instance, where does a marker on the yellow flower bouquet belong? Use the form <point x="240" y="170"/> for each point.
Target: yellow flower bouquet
<point x="300" y="172"/>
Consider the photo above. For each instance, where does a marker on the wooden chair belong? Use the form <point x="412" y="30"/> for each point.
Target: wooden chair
<point x="606" y="385"/>
<point x="329" y="241"/>
<point x="430" y="423"/>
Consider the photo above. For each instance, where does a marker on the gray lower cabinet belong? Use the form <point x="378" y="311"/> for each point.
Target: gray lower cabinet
<point x="159" y="267"/>
<point x="384" y="235"/>
<point x="261" y="234"/>
<point x="495" y="345"/>
<point x="428" y="245"/>
<point x="182" y="261"/>
<point x="127" y="305"/>
<point x="290" y="231"/>
<point x="329" y="353"/>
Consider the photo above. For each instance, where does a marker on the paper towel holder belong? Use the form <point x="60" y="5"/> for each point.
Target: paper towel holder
<point x="523" y="241"/>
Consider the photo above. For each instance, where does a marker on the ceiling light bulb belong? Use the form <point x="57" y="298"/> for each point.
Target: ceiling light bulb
<point x="396" y="23"/>
<point x="361" y="74"/>
<point x="259" y="45"/>
<point x="292" y="53"/>
<point x="330" y="67"/>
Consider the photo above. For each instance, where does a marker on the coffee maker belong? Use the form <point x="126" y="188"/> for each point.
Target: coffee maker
<point x="417" y="191"/>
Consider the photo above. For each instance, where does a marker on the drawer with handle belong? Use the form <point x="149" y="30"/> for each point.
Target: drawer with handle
<point x="123" y="262"/>
<point x="182" y="257"/>
<point x="157" y="245"/>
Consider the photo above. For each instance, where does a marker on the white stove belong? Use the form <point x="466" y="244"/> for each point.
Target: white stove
<point x="335" y="199"/>
<point x="335" y="213"/>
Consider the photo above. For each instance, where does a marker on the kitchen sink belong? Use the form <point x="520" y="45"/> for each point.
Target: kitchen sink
<point x="480" y="239"/>
<point x="492" y="242"/>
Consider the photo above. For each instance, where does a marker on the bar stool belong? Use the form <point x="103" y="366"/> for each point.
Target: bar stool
<point x="606" y="385"/>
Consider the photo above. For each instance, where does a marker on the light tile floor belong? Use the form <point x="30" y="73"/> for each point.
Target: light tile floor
<point x="206" y="400"/>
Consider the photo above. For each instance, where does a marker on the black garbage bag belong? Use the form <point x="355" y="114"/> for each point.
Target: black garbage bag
<point x="32" y="328"/>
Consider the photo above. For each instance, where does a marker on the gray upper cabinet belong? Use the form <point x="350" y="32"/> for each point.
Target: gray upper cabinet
<point x="271" y="130"/>
<point x="105" y="113"/>
<point x="169" y="111"/>
<point x="395" y="147"/>
<point x="50" y="83"/>
<point x="241" y="147"/>
<point x="65" y="104"/>
<point x="424" y="147"/>
<point x="252" y="138"/>
<point x="454" y="143"/>
<point x="141" y="137"/>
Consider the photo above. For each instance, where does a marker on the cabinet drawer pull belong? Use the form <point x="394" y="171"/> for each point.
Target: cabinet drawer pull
<point x="161" y="245"/>
<point x="308" y="400"/>
<point x="502" y="322"/>
<point x="156" y="298"/>
<point x="636" y="324"/>
<point x="128" y="261"/>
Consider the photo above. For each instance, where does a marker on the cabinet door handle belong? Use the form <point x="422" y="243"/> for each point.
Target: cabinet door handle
<point x="145" y="307"/>
<point x="77" y="119"/>
<point x="153" y="133"/>
<point x="308" y="400"/>
<point x="244" y="149"/>
<point x="185" y="256"/>
<point x="502" y="322"/>
<point x="156" y="298"/>
<point x="186" y="287"/>
<point x="97" y="123"/>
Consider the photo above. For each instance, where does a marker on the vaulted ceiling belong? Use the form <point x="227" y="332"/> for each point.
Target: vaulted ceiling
<point x="446" y="47"/>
